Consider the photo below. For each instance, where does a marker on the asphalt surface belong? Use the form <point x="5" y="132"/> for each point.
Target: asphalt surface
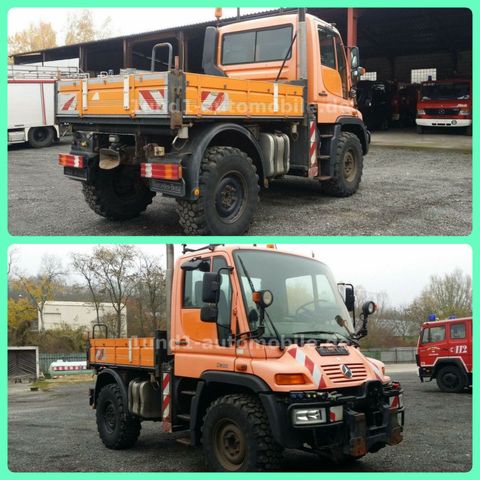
<point x="403" y="192"/>
<point x="55" y="431"/>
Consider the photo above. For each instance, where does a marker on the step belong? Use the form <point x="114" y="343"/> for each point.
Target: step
<point x="326" y="135"/>
<point x="184" y="416"/>
<point x="186" y="441"/>
<point x="323" y="157"/>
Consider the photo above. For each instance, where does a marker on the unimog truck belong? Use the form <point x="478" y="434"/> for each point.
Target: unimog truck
<point x="259" y="355"/>
<point x="274" y="96"/>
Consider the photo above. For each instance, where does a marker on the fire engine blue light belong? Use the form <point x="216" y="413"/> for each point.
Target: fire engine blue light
<point x="452" y="317"/>
<point x="432" y="317"/>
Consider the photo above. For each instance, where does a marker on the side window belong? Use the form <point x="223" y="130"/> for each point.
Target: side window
<point x="192" y="289"/>
<point x="435" y="334"/>
<point x="457" y="331"/>
<point x="342" y="66"/>
<point x="224" y="302"/>
<point x="327" y="48"/>
<point x="238" y="48"/>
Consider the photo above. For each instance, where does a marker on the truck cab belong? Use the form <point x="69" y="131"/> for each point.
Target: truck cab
<point x="444" y="353"/>
<point x="445" y="103"/>
<point x="275" y="98"/>
<point x="261" y="354"/>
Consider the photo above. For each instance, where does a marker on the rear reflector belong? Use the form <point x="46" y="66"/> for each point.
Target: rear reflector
<point x="164" y="171"/>
<point x="67" y="160"/>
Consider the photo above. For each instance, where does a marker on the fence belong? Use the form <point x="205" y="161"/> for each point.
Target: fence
<point x="392" y="355"/>
<point x="45" y="359"/>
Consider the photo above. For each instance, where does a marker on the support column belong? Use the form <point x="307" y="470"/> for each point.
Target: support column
<point x="352" y="17"/>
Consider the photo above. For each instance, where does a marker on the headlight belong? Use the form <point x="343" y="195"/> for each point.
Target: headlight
<point x="308" y="416"/>
<point x="420" y="112"/>
<point x="464" y="112"/>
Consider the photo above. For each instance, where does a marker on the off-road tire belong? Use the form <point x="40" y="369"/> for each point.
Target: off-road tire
<point x="468" y="131"/>
<point x="348" y="167"/>
<point x="447" y="386"/>
<point x="420" y="129"/>
<point x="40" y="137"/>
<point x="246" y="414"/>
<point x="117" y="428"/>
<point x="222" y="168"/>
<point x="107" y="197"/>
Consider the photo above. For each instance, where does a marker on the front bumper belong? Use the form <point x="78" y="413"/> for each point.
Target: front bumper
<point x="443" y="122"/>
<point x="373" y="417"/>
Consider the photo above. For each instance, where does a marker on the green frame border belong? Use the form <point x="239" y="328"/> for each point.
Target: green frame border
<point x="6" y="239"/>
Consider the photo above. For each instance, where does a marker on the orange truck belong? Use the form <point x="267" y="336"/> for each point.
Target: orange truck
<point x="274" y="96"/>
<point x="260" y="355"/>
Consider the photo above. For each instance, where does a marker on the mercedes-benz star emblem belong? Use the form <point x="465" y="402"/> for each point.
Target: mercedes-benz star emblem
<point x="441" y="111"/>
<point x="346" y="371"/>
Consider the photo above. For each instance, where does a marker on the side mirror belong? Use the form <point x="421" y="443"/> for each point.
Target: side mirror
<point x="209" y="314"/>
<point x="210" y="52"/>
<point x="354" y="58"/>
<point x="349" y="298"/>
<point x="211" y="287"/>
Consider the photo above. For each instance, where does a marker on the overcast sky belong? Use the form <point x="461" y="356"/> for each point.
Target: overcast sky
<point x="125" y="21"/>
<point x="399" y="270"/>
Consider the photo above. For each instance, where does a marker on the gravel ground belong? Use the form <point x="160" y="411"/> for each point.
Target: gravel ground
<point x="55" y="431"/>
<point x="403" y="192"/>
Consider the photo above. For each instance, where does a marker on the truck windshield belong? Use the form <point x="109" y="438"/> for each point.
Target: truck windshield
<point x="445" y="91"/>
<point x="306" y="300"/>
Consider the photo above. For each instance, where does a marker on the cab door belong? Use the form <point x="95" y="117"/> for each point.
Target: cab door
<point x="198" y="345"/>
<point x="332" y="85"/>
<point x="433" y="344"/>
<point x="459" y="344"/>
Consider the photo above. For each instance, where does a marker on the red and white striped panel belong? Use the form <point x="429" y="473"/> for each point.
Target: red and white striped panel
<point x="313" y="162"/>
<point x="152" y="101"/>
<point x="166" y="403"/>
<point x="396" y="402"/>
<point x="66" y="103"/>
<point x="214" y="101"/>
<point x="300" y="357"/>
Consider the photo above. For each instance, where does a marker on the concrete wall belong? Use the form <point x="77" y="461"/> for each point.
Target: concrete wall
<point x="76" y="314"/>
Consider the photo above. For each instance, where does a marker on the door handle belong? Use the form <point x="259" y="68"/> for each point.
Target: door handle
<point x="181" y="343"/>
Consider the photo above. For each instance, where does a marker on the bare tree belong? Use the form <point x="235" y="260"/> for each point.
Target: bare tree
<point x="450" y="294"/>
<point x="151" y="286"/>
<point x="84" y="265"/>
<point x="114" y="267"/>
<point x="42" y="287"/>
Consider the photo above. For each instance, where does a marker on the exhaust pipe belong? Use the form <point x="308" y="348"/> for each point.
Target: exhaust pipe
<point x="302" y="44"/>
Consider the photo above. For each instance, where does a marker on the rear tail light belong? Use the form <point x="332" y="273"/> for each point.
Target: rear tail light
<point x="67" y="160"/>
<point x="161" y="171"/>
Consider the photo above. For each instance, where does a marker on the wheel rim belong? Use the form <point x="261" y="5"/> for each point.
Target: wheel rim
<point x="39" y="134"/>
<point x="109" y="417"/>
<point x="230" y="197"/>
<point x="349" y="165"/>
<point x="229" y="443"/>
<point x="450" y="380"/>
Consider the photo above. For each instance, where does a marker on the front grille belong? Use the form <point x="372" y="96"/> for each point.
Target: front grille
<point x="335" y="375"/>
<point x="442" y="111"/>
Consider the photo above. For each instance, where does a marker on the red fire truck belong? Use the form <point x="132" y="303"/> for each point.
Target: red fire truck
<point x="444" y="353"/>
